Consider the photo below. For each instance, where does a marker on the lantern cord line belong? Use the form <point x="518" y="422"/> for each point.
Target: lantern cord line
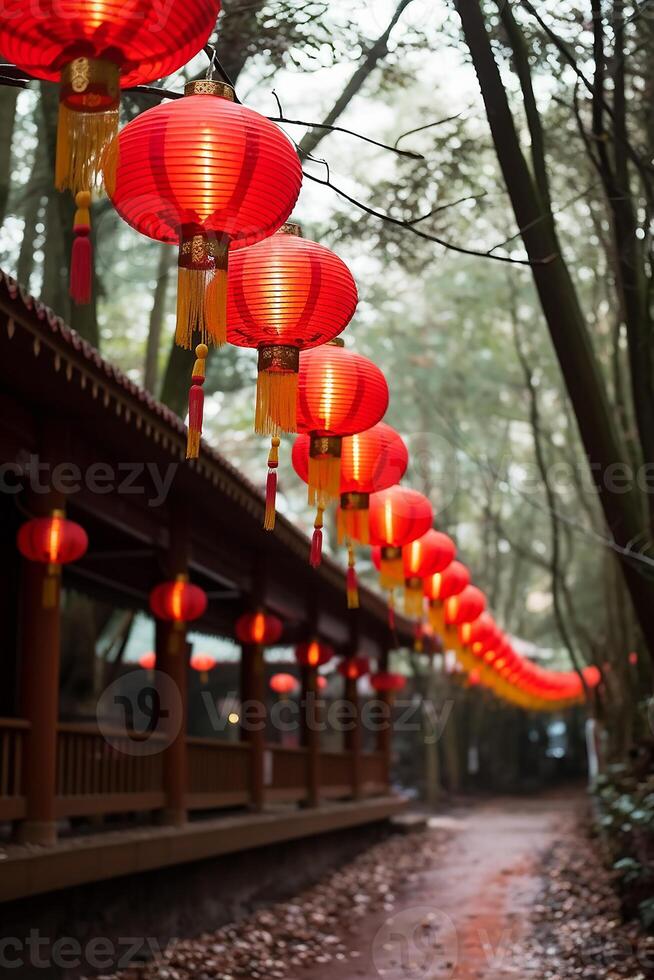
<point x="410" y="226"/>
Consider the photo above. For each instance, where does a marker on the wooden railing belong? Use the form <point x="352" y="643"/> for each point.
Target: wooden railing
<point x="12" y="742"/>
<point x="373" y="773"/>
<point x="106" y="772"/>
<point x="285" y="770"/>
<point x="336" y="774"/>
<point x="219" y="773"/>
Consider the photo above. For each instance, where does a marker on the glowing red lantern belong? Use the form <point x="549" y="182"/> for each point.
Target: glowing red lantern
<point x="633" y="659"/>
<point x="259" y="629"/>
<point x="314" y="654"/>
<point x="340" y="393"/>
<point x="322" y="683"/>
<point x="285" y="294"/>
<point x="178" y="602"/>
<point x="53" y="541"/>
<point x="442" y="586"/>
<point x="284" y="684"/>
<point x="354" y="667"/>
<point x="94" y="49"/>
<point x="427" y="555"/>
<point x="211" y="176"/>
<point x="465" y="607"/>
<point x="203" y="663"/>
<point x="479" y="635"/>
<point x="592" y="676"/>
<point x="474" y="678"/>
<point x="397" y="516"/>
<point x="385" y="682"/>
<point x="148" y="661"/>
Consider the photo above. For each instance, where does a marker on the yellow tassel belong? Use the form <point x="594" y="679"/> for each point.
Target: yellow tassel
<point x="276" y="408"/>
<point x="87" y="150"/>
<point x="324" y="478"/>
<point x="216" y="297"/>
<point x="352" y="582"/>
<point x="413" y="602"/>
<point x="435" y="615"/>
<point x="391" y="572"/>
<point x="353" y="525"/>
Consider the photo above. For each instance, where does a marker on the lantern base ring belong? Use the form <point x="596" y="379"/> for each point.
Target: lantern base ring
<point x="210" y="86"/>
<point x="355" y="501"/>
<point x="279" y="357"/>
<point x="330" y="447"/>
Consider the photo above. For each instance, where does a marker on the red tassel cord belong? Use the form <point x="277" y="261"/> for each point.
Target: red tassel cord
<point x="352" y="582"/>
<point x="316" y="542"/>
<point x="81" y="260"/>
<point x="271" y="485"/>
<point x="391" y="610"/>
<point x="196" y="402"/>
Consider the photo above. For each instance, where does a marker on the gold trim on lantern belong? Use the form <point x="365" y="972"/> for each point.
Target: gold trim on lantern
<point x="90" y="85"/>
<point x="291" y="228"/>
<point x="209" y="86"/>
<point x="279" y="357"/>
<point x="355" y="501"/>
<point x="325" y="446"/>
<point x="390" y="553"/>
<point x="198" y="252"/>
<point x="337" y="342"/>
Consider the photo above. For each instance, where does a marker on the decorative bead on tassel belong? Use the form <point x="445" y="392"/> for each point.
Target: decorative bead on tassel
<point x="81" y="260"/>
<point x="271" y="484"/>
<point x="196" y="402"/>
<point x="352" y="582"/>
<point x="316" y="541"/>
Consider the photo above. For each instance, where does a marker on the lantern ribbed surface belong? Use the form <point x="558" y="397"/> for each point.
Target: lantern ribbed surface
<point x="52" y="540"/>
<point x="340" y="392"/>
<point x="399" y="515"/>
<point x="288" y="291"/>
<point x="204" y="164"/>
<point x="429" y="554"/>
<point x="145" y="38"/>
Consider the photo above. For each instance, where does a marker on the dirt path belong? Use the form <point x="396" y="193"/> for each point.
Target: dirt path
<point x="466" y="918"/>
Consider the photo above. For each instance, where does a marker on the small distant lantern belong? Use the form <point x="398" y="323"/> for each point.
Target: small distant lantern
<point x="203" y="663"/>
<point x="474" y="678"/>
<point x="259" y="629"/>
<point x="284" y="684"/>
<point x="386" y="682"/>
<point x="354" y="668"/>
<point x="322" y="683"/>
<point x="633" y="659"/>
<point x="148" y="662"/>
<point x="178" y="602"/>
<point x="53" y="541"/>
<point x="314" y="654"/>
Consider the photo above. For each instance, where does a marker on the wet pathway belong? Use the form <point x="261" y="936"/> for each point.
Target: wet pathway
<point x="467" y="917"/>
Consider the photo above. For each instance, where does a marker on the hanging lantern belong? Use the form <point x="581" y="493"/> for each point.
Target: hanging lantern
<point x="425" y="556"/>
<point x="284" y="684"/>
<point x="178" y="602"/>
<point x="285" y="294"/>
<point x="354" y="667"/>
<point x="398" y="516"/>
<point x="52" y="541"/>
<point x="203" y="663"/>
<point x="314" y="654"/>
<point x="148" y="662"/>
<point x="259" y="629"/>
<point x="479" y="635"/>
<point x="440" y="587"/>
<point x="370" y="461"/>
<point x="93" y="50"/>
<point x="340" y="393"/>
<point x="388" y="683"/>
<point x="464" y="607"/>
<point x="211" y="176"/>
<point x="322" y="683"/>
<point x="474" y="678"/>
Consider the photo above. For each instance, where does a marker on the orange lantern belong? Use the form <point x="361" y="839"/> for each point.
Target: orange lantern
<point x="427" y="555"/>
<point x="398" y="516"/>
<point x="314" y="654"/>
<point x="52" y="541"/>
<point x="203" y="663"/>
<point x="148" y="661"/>
<point x="354" y="667"/>
<point x="259" y="629"/>
<point x="284" y="684"/>
<point x="439" y="587"/>
<point x="178" y="602"/>
<point x="465" y="607"/>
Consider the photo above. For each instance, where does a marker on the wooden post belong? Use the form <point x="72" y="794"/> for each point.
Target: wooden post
<point x="253" y="717"/>
<point x="309" y="734"/>
<point x="353" y="737"/>
<point x="385" y="734"/>
<point x="40" y="645"/>
<point x="172" y="660"/>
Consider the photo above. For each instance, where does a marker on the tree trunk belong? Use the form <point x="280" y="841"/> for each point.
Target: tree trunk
<point x="563" y="314"/>
<point x="157" y="314"/>
<point x="8" y="96"/>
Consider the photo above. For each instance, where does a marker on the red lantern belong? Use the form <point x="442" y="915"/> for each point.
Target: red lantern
<point x="354" y="668"/>
<point x="465" y="607"/>
<point x="178" y="602"/>
<point x="211" y="176"/>
<point x="285" y="294"/>
<point x="398" y="516"/>
<point x="203" y="663"/>
<point x="314" y="654"/>
<point x="321" y="683"/>
<point x="148" y="661"/>
<point x="474" y="678"/>
<point x="427" y="555"/>
<point x="93" y="50"/>
<point x="479" y="635"/>
<point x="259" y="629"/>
<point x="440" y="587"/>
<point x="340" y="393"/>
<point x="386" y="682"/>
<point x="633" y="659"/>
<point x="52" y="541"/>
<point x="284" y="684"/>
